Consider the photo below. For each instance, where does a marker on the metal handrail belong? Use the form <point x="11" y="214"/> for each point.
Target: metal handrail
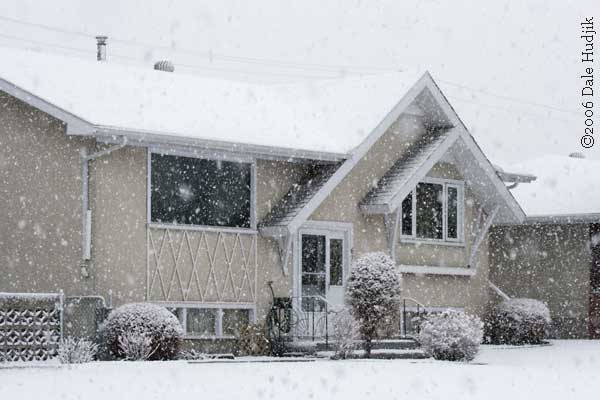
<point x="403" y="320"/>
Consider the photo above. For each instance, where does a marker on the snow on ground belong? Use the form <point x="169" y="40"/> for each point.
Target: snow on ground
<point x="565" y="370"/>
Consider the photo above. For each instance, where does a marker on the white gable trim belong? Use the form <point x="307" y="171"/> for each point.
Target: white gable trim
<point x="417" y="176"/>
<point x="490" y="171"/>
<point x="426" y="81"/>
<point x="359" y="152"/>
<point x="75" y="124"/>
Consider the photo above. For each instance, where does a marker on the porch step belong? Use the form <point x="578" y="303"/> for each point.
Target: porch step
<point x="382" y="354"/>
<point x="385" y="344"/>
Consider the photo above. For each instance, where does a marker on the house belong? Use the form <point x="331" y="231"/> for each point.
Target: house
<point x="214" y="197"/>
<point x="554" y="255"/>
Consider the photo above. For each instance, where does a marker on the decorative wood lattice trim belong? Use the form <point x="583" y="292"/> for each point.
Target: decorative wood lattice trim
<point x="183" y="265"/>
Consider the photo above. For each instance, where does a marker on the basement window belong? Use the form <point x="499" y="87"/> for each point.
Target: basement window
<point x="433" y="211"/>
<point x="212" y="322"/>
<point x="197" y="191"/>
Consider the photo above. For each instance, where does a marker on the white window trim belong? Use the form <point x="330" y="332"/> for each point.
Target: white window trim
<point x="219" y="307"/>
<point x="171" y="151"/>
<point x="460" y="241"/>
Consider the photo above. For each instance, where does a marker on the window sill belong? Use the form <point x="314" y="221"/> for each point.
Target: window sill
<point x="429" y="270"/>
<point x="202" y="228"/>
<point x="433" y="242"/>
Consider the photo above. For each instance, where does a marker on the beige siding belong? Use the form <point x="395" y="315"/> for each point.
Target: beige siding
<point x="41" y="235"/>
<point x="549" y="263"/>
<point x="120" y="241"/>
<point x="370" y="235"/>
<point x="40" y="203"/>
<point x="118" y="203"/>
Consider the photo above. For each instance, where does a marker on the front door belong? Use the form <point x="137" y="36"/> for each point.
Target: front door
<point x="324" y="259"/>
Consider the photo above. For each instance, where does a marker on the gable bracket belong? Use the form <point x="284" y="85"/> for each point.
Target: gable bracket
<point x="285" y="251"/>
<point x="480" y="236"/>
<point x="392" y="223"/>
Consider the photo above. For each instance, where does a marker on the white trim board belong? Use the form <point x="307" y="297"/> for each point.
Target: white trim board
<point x="424" y="82"/>
<point x="429" y="270"/>
<point x="78" y="126"/>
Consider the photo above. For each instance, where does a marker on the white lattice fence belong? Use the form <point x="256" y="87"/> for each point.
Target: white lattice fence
<point x="30" y="326"/>
<point x="201" y="266"/>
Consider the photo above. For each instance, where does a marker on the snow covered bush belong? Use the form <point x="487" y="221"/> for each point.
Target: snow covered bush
<point x="451" y="335"/>
<point x="131" y="322"/>
<point x="135" y="346"/>
<point x="76" y="351"/>
<point x="192" y="354"/>
<point x="345" y="334"/>
<point x="373" y="293"/>
<point x="519" y="321"/>
<point x="253" y="341"/>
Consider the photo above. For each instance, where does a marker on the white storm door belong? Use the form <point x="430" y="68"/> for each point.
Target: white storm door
<point x="323" y="265"/>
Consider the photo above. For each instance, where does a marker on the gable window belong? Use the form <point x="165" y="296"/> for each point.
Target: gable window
<point x="197" y="191"/>
<point x="433" y="211"/>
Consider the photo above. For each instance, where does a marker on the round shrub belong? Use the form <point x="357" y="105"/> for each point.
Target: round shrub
<point x="451" y="335"/>
<point x="519" y="321"/>
<point x="146" y="321"/>
<point x="373" y="293"/>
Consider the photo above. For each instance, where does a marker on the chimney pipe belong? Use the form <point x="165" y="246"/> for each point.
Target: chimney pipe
<point x="101" y="47"/>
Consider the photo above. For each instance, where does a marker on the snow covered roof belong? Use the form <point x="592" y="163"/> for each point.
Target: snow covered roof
<point x="565" y="186"/>
<point x="403" y="170"/>
<point x="299" y="195"/>
<point x="329" y="116"/>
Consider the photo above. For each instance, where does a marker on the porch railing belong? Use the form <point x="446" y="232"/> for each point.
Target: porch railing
<point x="411" y="313"/>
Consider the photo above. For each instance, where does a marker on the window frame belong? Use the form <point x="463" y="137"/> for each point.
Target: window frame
<point x="460" y="239"/>
<point x="219" y="307"/>
<point x="205" y="155"/>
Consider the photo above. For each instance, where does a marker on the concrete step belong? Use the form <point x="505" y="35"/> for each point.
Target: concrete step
<point x="385" y="344"/>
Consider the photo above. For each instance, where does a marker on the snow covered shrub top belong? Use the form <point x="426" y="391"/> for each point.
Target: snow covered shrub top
<point x="372" y="292"/>
<point x="519" y="321"/>
<point x="374" y="282"/>
<point x="451" y="335"/>
<point x="525" y="310"/>
<point x="144" y="319"/>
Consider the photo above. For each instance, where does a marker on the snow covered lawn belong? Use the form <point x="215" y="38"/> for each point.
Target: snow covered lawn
<point x="565" y="370"/>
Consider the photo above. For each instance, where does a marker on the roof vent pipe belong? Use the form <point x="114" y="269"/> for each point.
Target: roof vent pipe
<point x="164" y="65"/>
<point x="101" y="47"/>
<point x="577" y="155"/>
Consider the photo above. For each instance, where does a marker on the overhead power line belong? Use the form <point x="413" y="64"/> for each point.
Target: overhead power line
<point x="514" y="99"/>
<point x="211" y="55"/>
<point x="305" y="69"/>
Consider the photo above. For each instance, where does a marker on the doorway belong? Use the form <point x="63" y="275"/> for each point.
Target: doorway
<point x="322" y="270"/>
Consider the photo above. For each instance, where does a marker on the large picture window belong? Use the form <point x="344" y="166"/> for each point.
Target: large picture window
<point x="196" y="191"/>
<point x="433" y="211"/>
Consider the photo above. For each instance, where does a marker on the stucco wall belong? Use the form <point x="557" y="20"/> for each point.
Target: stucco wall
<point x="40" y="239"/>
<point x="119" y="263"/>
<point x="549" y="263"/>
<point x="41" y="235"/>
<point x="370" y="234"/>
<point x="118" y="204"/>
<point x="40" y="202"/>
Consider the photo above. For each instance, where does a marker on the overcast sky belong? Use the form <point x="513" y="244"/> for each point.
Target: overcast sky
<point x="517" y="61"/>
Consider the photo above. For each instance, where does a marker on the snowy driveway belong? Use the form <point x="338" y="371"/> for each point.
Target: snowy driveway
<point x="566" y="370"/>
